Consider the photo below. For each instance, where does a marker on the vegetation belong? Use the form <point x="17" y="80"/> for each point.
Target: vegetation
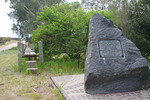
<point x="65" y="29"/>
<point x="57" y="66"/>
<point x="139" y="25"/>
<point x="3" y="40"/>
<point x="133" y="19"/>
<point x="24" y="14"/>
<point x="131" y="16"/>
<point x="7" y="43"/>
<point x="24" y="86"/>
<point x="96" y="4"/>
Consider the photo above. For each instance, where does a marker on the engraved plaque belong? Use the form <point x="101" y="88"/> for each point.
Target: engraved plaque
<point x="110" y="48"/>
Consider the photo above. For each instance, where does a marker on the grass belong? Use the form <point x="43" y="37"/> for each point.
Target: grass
<point x="58" y="68"/>
<point x="57" y="93"/>
<point x="5" y="57"/>
<point x="7" y="43"/>
<point x="15" y="85"/>
<point x="25" y="86"/>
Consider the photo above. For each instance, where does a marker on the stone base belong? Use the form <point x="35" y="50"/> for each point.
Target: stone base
<point x="123" y="85"/>
<point x="72" y="87"/>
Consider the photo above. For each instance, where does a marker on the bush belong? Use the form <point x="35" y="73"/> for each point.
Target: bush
<point x="64" y="57"/>
<point x="3" y="40"/>
<point x="64" y="29"/>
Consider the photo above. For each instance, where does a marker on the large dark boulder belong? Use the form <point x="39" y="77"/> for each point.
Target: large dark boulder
<point x="113" y="63"/>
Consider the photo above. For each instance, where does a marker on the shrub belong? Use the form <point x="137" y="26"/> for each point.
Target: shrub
<point x="3" y="40"/>
<point x="64" y="29"/>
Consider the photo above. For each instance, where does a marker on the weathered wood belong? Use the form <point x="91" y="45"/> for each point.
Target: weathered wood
<point x="33" y="70"/>
<point x="19" y="55"/>
<point x="31" y="64"/>
<point x="28" y="52"/>
<point x="41" y="52"/>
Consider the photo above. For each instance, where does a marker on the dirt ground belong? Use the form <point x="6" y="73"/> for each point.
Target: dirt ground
<point x="22" y="86"/>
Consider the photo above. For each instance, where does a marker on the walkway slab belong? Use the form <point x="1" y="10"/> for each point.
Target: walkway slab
<point x="72" y="87"/>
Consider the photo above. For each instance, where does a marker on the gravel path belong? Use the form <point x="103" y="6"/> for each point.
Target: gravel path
<point x="8" y="47"/>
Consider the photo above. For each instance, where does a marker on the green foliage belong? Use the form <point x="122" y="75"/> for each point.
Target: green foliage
<point x="64" y="29"/>
<point x="62" y="57"/>
<point x="23" y="67"/>
<point x="57" y="93"/>
<point x="24" y="14"/>
<point x="14" y="48"/>
<point x="3" y="40"/>
<point x="139" y="25"/>
<point x="133" y="18"/>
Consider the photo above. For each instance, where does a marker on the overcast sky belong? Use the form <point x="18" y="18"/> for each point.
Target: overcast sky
<point x="6" y="23"/>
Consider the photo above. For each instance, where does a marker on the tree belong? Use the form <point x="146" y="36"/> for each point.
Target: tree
<point x="96" y="4"/>
<point x="24" y="14"/>
<point x="133" y="18"/>
<point x="64" y="29"/>
<point x="139" y="21"/>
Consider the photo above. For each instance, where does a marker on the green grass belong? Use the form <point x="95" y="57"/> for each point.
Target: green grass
<point x="8" y="58"/>
<point x="58" y="67"/>
<point x="57" y="93"/>
<point x="15" y="85"/>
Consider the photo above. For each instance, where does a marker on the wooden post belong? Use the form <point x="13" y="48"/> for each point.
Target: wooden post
<point x="41" y="52"/>
<point x="22" y="46"/>
<point x="19" y="55"/>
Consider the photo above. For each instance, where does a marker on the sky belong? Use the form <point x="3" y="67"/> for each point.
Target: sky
<point x="6" y="23"/>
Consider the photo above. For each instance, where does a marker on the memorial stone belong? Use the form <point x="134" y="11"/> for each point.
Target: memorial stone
<point x="113" y="63"/>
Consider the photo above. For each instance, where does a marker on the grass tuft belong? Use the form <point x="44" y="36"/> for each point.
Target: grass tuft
<point x="58" y="67"/>
<point x="57" y="93"/>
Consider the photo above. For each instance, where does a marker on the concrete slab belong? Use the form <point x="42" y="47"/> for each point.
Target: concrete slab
<point x="72" y="87"/>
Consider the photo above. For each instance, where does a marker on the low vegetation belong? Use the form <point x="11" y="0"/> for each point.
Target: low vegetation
<point x="65" y="29"/>
<point x="3" y="40"/>
<point x="24" y="86"/>
<point x="59" y="65"/>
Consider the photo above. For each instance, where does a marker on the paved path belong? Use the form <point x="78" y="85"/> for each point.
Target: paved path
<point x="72" y="86"/>
<point x="8" y="47"/>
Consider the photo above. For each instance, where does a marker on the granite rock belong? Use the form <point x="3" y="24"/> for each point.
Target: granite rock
<point x="113" y="63"/>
